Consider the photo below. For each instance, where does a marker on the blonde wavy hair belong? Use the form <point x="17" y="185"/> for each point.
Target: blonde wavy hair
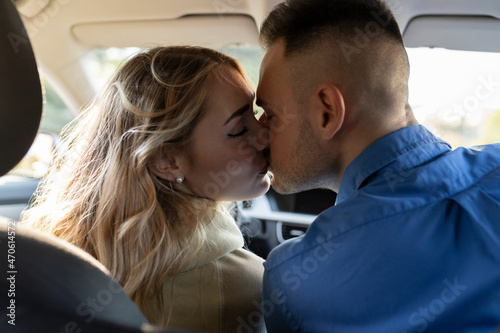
<point x="100" y="194"/>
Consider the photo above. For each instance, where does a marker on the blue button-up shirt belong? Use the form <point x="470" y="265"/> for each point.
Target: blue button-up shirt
<point x="412" y="245"/>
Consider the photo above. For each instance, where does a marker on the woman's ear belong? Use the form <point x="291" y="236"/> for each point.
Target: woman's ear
<point x="329" y="101"/>
<point x="166" y="165"/>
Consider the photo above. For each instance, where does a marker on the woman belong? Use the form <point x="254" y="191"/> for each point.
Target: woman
<point x="141" y="182"/>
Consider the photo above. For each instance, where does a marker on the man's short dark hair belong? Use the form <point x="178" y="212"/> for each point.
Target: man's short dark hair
<point x="302" y="22"/>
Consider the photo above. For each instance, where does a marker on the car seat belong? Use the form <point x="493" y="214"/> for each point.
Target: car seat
<point x="46" y="284"/>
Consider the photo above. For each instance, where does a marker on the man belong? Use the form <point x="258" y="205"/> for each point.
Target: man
<point x="413" y="241"/>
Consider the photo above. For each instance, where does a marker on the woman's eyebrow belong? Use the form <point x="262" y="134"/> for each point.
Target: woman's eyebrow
<point x="238" y="113"/>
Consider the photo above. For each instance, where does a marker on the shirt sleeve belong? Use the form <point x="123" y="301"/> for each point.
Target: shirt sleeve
<point x="274" y="305"/>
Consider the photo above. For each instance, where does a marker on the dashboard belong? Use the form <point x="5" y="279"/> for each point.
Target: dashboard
<point x="271" y="219"/>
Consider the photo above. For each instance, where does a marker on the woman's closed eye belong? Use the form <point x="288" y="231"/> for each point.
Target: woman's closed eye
<point x="240" y="133"/>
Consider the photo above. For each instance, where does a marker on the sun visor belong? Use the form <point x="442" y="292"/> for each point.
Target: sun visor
<point x="201" y="30"/>
<point x="472" y="33"/>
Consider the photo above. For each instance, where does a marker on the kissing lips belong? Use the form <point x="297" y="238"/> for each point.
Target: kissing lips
<point x="264" y="170"/>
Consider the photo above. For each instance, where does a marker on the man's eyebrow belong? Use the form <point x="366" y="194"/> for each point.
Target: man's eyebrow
<point x="238" y="113"/>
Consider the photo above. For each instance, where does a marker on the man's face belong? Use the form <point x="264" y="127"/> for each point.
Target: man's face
<point x="290" y="136"/>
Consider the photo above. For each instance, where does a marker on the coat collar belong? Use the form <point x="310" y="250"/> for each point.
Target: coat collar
<point x="222" y="237"/>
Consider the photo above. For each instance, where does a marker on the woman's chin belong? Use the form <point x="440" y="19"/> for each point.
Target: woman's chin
<point x="257" y="191"/>
<point x="266" y="183"/>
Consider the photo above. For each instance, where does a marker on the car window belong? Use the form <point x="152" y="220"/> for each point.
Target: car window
<point x="55" y="113"/>
<point x="249" y="57"/>
<point x="456" y="94"/>
<point x="54" y="117"/>
<point x="100" y="64"/>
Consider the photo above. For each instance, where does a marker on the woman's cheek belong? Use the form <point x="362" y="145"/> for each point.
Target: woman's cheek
<point x="246" y="151"/>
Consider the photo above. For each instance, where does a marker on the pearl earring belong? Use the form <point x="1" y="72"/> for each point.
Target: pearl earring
<point x="179" y="180"/>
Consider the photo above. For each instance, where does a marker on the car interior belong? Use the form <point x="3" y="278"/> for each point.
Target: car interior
<point x="57" y="54"/>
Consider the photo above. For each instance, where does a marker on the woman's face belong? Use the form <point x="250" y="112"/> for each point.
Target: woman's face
<point x="225" y="160"/>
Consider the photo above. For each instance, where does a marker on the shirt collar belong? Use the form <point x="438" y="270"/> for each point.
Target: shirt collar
<point x="384" y="151"/>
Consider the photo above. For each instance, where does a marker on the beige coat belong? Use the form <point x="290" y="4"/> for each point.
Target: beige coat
<point x="220" y="291"/>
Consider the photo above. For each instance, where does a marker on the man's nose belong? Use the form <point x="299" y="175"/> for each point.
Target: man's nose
<point x="261" y="134"/>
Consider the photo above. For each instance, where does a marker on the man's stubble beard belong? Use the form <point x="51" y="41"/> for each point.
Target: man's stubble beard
<point x="304" y="171"/>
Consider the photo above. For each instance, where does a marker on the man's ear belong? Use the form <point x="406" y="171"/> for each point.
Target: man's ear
<point x="329" y="101"/>
<point x="166" y="165"/>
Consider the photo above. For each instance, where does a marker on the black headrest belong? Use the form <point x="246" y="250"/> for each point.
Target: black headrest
<point x="55" y="282"/>
<point x="20" y="90"/>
